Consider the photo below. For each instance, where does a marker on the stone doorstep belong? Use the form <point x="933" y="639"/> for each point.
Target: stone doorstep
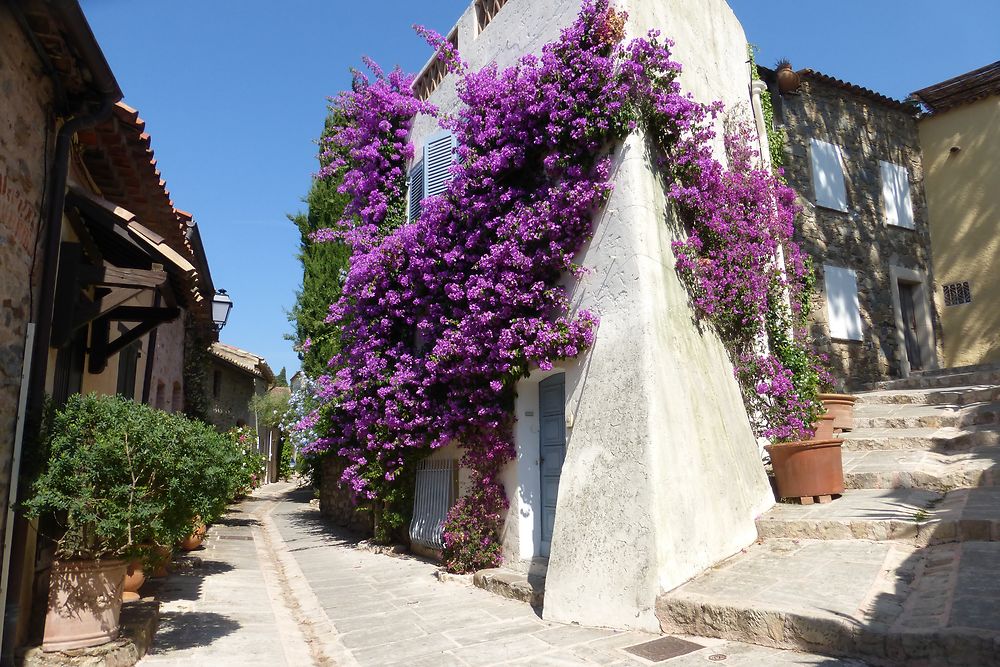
<point x="921" y="438"/>
<point x="909" y="516"/>
<point x="902" y="468"/>
<point x="138" y="624"/>
<point x="512" y="584"/>
<point x="940" y="396"/>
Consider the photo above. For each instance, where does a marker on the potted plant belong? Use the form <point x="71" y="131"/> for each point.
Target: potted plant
<point x="117" y="478"/>
<point x="839" y="405"/>
<point x="788" y="79"/>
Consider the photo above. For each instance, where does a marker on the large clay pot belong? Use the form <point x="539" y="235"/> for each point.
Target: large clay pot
<point x="135" y="577"/>
<point x="841" y="406"/>
<point x="823" y="428"/>
<point x="807" y="468"/>
<point x="161" y="558"/>
<point x="788" y="79"/>
<point x="194" y="540"/>
<point x="85" y="601"/>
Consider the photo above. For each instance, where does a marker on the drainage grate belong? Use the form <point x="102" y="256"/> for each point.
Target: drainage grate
<point x="664" y="648"/>
<point x="234" y="537"/>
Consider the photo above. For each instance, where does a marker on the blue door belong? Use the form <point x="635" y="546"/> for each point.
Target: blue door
<point x="552" y="448"/>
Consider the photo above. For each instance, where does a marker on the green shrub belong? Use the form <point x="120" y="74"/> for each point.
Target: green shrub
<point x="120" y="476"/>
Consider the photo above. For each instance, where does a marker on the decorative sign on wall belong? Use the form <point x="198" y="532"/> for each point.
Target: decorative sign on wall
<point x="956" y="294"/>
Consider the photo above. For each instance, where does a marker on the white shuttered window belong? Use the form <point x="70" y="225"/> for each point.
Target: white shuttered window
<point x="828" y="175"/>
<point x="896" y="195"/>
<point x="416" y="195"/>
<point x="842" y="306"/>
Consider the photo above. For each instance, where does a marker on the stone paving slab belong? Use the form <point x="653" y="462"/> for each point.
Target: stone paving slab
<point x="954" y="396"/>
<point x="946" y="377"/>
<point x="886" y="602"/>
<point x="918" y="468"/>
<point x="393" y="610"/>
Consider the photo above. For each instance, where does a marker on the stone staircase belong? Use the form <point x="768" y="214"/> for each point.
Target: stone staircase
<point x="905" y="567"/>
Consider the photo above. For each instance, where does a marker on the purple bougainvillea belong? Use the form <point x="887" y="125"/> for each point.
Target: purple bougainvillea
<point x="441" y="317"/>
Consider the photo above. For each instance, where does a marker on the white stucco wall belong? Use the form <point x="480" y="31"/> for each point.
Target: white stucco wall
<point x="661" y="477"/>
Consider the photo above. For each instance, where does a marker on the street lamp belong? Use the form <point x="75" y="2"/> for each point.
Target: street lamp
<point x="221" y="305"/>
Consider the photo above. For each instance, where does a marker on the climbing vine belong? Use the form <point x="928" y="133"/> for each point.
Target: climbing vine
<point x="441" y="317"/>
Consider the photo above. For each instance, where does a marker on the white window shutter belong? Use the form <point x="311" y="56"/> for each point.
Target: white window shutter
<point x="828" y="175"/>
<point x="842" y="305"/>
<point x="439" y="154"/>
<point x="896" y="195"/>
<point x="416" y="193"/>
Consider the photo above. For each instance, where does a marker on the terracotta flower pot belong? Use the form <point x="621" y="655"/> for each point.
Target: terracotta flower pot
<point x="788" y="79"/>
<point x="161" y="558"/>
<point x="135" y="577"/>
<point x="85" y="601"/>
<point x="807" y="468"/>
<point x="194" y="540"/>
<point x="841" y="406"/>
<point x="823" y="427"/>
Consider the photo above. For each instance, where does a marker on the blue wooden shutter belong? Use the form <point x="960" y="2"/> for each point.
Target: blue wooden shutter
<point x="439" y="154"/>
<point x="416" y="186"/>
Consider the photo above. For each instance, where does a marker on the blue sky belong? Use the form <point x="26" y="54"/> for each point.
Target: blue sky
<point x="234" y="95"/>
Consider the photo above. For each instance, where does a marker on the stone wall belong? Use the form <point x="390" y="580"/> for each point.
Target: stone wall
<point x="167" y="381"/>
<point x="24" y="141"/>
<point x="867" y="131"/>
<point x="231" y="402"/>
<point x="337" y="503"/>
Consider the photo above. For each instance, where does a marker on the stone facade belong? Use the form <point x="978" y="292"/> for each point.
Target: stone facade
<point x="25" y="139"/>
<point x="167" y="380"/>
<point x="337" y="503"/>
<point x="868" y="128"/>
<point x="230" y="390"/>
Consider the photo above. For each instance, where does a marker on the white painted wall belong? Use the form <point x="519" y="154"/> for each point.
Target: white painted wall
<point x="662" y="477"/>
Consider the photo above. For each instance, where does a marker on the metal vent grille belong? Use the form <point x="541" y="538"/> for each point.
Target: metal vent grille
<point x="433" y="496"/>
<point x="956" y="294"/>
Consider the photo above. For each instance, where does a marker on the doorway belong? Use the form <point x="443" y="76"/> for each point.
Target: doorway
<point x="552" y="449"/>
<point x="908" y="310"/>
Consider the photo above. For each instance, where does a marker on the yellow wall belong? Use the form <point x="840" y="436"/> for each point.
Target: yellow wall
<point x="963" y="199"/>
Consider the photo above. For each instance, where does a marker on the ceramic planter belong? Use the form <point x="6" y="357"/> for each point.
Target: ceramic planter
<point x="162" y="556"/>
<point x="135" y="577"/>
<point x="788" y="79"/>
<point x="807" y="468"/>
<point x="85" y="601"/>
<point x="194" y="540"/>
<point x="841" y="406"/>
<point x="823" y="427"/>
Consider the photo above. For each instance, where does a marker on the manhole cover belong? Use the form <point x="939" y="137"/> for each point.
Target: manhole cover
<point x="664" y="648"/>
<point x="717" y="657"/>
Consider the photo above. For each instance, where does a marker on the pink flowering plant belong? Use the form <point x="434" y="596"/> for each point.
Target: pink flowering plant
<point x="439" y="318"/>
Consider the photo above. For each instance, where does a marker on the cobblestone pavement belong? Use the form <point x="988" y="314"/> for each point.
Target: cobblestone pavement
<point x="279" y="586"/>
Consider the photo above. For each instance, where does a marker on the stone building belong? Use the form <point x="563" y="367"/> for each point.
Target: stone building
<point x="960" y="139"/>
<point x="103" y="278"/>
<point x="853" y="156"/>
<point x="235" y="376"/>
<point x="636" y="467"/>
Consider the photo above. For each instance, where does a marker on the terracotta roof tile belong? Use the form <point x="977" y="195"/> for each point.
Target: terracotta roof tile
<point x="961" y="89"/>
<point x="899" y="105"/>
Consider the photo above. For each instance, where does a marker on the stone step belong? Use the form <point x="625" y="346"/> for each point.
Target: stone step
<point x="922" y="469"/>
<point x="885" y="602"/>
<point x="954" y="396"/>
<point x="914" y="516"/>
<point x="948" y="439"/>
<point x="512" y="584"/>
<point x="971" y="376"/>
<point x="925" y="416"/>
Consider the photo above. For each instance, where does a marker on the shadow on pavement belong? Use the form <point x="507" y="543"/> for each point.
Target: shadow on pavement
<point x="190" y="629"/>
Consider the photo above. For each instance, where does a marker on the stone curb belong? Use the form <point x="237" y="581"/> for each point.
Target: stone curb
<point x="510" y="584"/>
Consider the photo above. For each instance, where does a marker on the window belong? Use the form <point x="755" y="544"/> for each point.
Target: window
<point x="128" y="360"/>
<point x="216" y="383"/>
<point x="434" y="71"/>
<point x="430" y="176"/>
<point x="828" y="175"/>
<point x="842" y="303"/>
<point x="896" y="195"/>
<point x="486" y="10"/>
<point x="956" y="294"/>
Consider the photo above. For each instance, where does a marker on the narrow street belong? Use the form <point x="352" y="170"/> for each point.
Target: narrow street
<point x="275" y="584"/>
